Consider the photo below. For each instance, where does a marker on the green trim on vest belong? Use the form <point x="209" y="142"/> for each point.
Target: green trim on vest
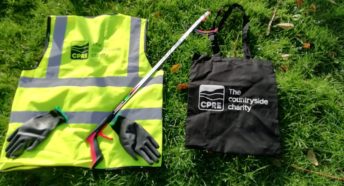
<point x="89" y="66"/>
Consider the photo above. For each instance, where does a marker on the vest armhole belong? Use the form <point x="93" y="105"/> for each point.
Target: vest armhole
<point x="144" y="52"/>
<point x="46" y="43"/>
<point x="145" y="38"/>
<point x="145" y="42"/>
<point x="145" y="65"/>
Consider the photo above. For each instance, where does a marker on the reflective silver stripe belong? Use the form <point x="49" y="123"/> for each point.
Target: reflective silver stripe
<point x="93" y="117"/>
<point x="134" y="46"/>
<point x="57" y="44"/>
<point x="82" y="82"/>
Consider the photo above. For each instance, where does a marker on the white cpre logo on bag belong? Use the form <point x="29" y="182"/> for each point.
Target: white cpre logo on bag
<point x="211" y="97"/>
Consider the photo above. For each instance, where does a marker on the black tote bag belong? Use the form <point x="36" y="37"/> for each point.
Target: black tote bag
<point x="232" y="102"/>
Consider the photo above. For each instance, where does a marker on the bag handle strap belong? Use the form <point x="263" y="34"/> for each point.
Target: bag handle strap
<point x="215" y="29"/>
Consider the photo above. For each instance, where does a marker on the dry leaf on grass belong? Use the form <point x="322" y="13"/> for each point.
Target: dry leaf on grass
<point x="332" y="1"/>
<point x="313" y="8"/>
<point x="326" y="175"/>
<point x="175" y="68"/>
<point x="312" y="158"/>
<point x="296" y="17"/>
<point x="299" y="3"/>
<point x="332" y="54"/>
<point x="285" y="56"/>
<point x="284" y="68"/>
<point x="306" y="45"/>
<point x="182" y="86"/>
<point x="157" y="14"/>
<point x="285" y="26"/>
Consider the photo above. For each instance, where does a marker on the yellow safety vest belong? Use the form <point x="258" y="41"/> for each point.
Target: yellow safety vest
<point x="89" y="66"/>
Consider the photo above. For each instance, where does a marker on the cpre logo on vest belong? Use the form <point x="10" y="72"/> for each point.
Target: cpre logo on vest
<point x="79" y="51"/>
<point x="211" y="97"/>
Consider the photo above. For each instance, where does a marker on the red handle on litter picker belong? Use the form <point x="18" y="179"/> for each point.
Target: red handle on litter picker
<point x="96" y="153"/>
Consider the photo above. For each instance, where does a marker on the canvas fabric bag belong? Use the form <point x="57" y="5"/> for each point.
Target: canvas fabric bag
<point x="232" y="102"/>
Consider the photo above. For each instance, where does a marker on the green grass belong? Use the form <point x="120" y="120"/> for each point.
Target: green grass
<point x="310" y="83"/>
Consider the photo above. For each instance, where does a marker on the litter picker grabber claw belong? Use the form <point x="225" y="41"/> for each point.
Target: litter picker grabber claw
<point x="96" y="153"/>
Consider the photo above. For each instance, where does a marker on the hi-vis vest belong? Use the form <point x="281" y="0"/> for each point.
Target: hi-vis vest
<point x="89" y="66"/>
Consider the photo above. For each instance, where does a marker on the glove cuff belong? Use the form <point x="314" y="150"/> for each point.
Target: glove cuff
<point x="116" y="123"/>
<point x="58" y="112"/>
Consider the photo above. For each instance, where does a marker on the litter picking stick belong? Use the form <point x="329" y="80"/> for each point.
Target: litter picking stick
<point x="96" y="153"/>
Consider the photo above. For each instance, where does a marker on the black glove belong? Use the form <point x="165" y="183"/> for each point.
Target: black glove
<point x="136" y="139"/>
<point x="32" y="132"/>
